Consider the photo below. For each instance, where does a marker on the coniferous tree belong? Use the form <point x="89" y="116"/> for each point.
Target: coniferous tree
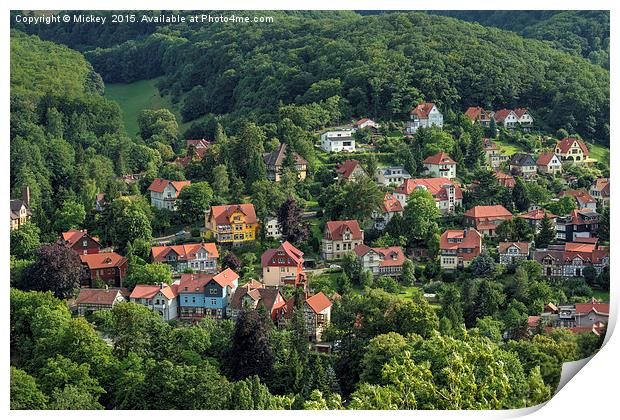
<point x="546" y="234"/>
<point x="252" y="354"/>
<point x="519" y="195"/>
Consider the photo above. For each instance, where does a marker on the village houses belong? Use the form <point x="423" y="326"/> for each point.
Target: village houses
<point x="424" y="115"/>
<point x="572" y="150"/>
<point x="338" y="140"/>
<point x="274" y="163"/>
<point x="232" y="224"/>
<point x="459" y="247"/>
<point x="479" y="115"/>
<point x="582" y="197"/>
<point x="197" y="257"/>
<point x="523" y="165"/>
<point x="390" y="207"/>
<point x="273" y="228"/>
<point x="20" y="209"/>
<point x="381" y="261"/>
<point x="581" y="223"/>
<point x="440" y="165"/>
<point x="254" y="295"/>
<point x="350" y="170"/>
<point x="160" y="298"/>
<point x="340" y="237"/>
<point x="392" y="175"/>
<point x="91" y="300"/>
<point x="317" y="313"/>
<point x="106" y="267"/>
<point x="513" y="252"/>
<point x="283" y="265"/>
<point x="486" y="218"/>
<point x="570" y="259"/>
<point x="80" y="241"/>
<point x="600" y="191"/>
<point x="549" y="163"/>
<point x="206" y="295"/>
<point x="506" y="118"/>
<point x="164" y="193"/>
<point x="446" y="193"/>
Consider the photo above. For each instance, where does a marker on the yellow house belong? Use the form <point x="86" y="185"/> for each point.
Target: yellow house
<point x="231" y="224"/>
<point x="572" y="150"/>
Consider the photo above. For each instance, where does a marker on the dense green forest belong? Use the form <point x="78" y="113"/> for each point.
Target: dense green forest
<point x="377" y="65"/>
<point x="580" y="32"/>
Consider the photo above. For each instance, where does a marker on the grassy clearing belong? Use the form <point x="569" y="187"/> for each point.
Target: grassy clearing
<point x="601" y="295"/>
<point x="136" y="96"/>
<point x="598" y="152"/>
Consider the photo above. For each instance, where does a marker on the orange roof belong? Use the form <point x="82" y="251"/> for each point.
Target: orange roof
<point x="473" y="112"/>
<point x="287" y="249"/>
<point x="185" y="252"/>
<point x="502" y="114"/>
<point x="496" y="211"/>
<point x="441" y="158"/>
<point x="545" y="159"/>
<point x="73" y="235"/>
<point x="602" y="185"/>
<point x="598" y="307"/>
<point x="524" y="247"/>
<point x="336" y="229"/>
<point x="226" y="278"/>
<point x="537" y="215"/>
<point x="505" y="180"/>
<point x="221" y="214"/>
<point x="99" y="296"/>
<point x="195" y="282"/>
<point x="520" y="111"/>
<point x="347" y="167"/>
<point x="159" y="185"/>
<point x="391" y="204"/>
<point x="581" y="195"/>
<point x="392" y="256"/>
<point x="422" y="110"/>
<point x="566" y="143"/>
<point x="579" y="247"/>
<point x="455" y="239"/>
<point x="319" y="302"/>
<point x="532" y="321"/>
<point x="103" y="260"/>
<point x="436" y="186"/>
<point x="361" y="121"/>
<point x="148" y="291"/>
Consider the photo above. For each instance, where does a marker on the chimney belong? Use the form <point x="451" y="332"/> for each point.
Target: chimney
<point x="26" y="195"/>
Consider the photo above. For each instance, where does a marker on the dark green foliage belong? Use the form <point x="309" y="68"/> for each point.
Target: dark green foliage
<point x="57" y="269"/>
<point x="252" y="354"/>
<point x="546" y="234"/>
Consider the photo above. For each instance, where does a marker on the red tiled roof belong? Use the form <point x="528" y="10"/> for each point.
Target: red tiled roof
<point x="441" y="158"/>
<point x="221" y="214"/>
<point x="537" y="215"/>
<point x="473" y="112"/>
<point x="566" y="143"/>
<point x="433" y="185"/>
<point x="72" y="236"/>
<point x="185" y="252"/>
<point x="289" y="251"/>
<point x="226" y="278"/>
<point x="103" y="260"/>
<point x="487" y="144"/>
<point x="347" y="167"/>
<point x="505" y="180"/>
<point x="520" y="111"/>
<point x="361" y="121"/>
<point x="391" y="204"/>
<point x="602" y="185"/>
<point x="496" y="211"/>
<point x="545" y="159"/>
<point x="582" y="240"/>
<point x="532" y="321"/>
<point x="159" y="185"/>
<point x="422" y="110"/>
<point x="470" y="239"/>
<point x="524" y="247"/>
<point x="579" y="247"/>
<point x="392" y="256"/>
<point x="598" y="307"/>
<point x="148" y="291"/>
<point x="581" y="195"/>
<point x="98" y="296"/>
<point x="195" y="282"/>
<point x="336" y="229"/>
<point x="502" y="114"/>
<point x="318" y="302"/>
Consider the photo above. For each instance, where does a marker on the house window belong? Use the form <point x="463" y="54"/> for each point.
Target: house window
<point x="213" y="301"/>
<point x="213" y="291"/>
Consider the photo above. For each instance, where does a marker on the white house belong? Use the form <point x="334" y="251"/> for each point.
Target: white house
<point x="160" y="298"/>
<point x="524" y="118"/>
<point x="392" y="175"/>
<point x="426" y="115"/>
<point x="164" y="193"/>
<point x="506" y="117"/>
<point x="273" y="229"/>
<point x="440" y="165"/>
<point x="338" y="140"/>
<point x="365" y="122"/>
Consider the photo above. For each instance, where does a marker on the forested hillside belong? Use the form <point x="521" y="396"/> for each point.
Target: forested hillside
<point x="580" y="32"/>
<point x="376" y="65"/>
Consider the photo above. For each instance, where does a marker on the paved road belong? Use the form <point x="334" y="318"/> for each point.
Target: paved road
<point x="170" y="238"/>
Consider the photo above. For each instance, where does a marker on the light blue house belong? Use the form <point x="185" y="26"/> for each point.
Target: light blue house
<point x="202" y="294"/>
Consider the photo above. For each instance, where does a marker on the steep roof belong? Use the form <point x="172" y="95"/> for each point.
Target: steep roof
<point x="473" y="112"/>
<point x="436" y="186"/>
<point x="99" y="296"/>
<point x="318" y="302"/>
<point x="422" y="110"/>
<point x="16" y="205"/>
<point x="581" y="195"/>
<point x="522" y="159"/>
<point x="226" y="278"/>
<point x="566" y="143"/>
<point x="159" y="185"/>
<point x="502" y="114"/>
<point x="148" y="291"/>
<point x="488" y="211"/>
<point x="276" y="157"/>
<point x="103" y="260"/>
<point x="185" y="252"/>
<point x="520" y="111"/>
<point x="336" y="229"/>
<point x="524" y="247"/>
<point x="392" y="256"/>
<point x="347" y="167"/>
<point x="506" y="180"/>
<point x="545" y="159"/>
<point x="72" y="236"/>
<point x="287" y="249"/>
<point x="602" y="185"/>
<point x="391" y="204"/>
<point x="441" y="158"/>
<point x="454" y="239"/>
<point x="598" y="307"/>
<point x="362" y="121"/>
<point x="221" y="214"/>
<point x="199" y="144"/>
<point x="196" y="282"/>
